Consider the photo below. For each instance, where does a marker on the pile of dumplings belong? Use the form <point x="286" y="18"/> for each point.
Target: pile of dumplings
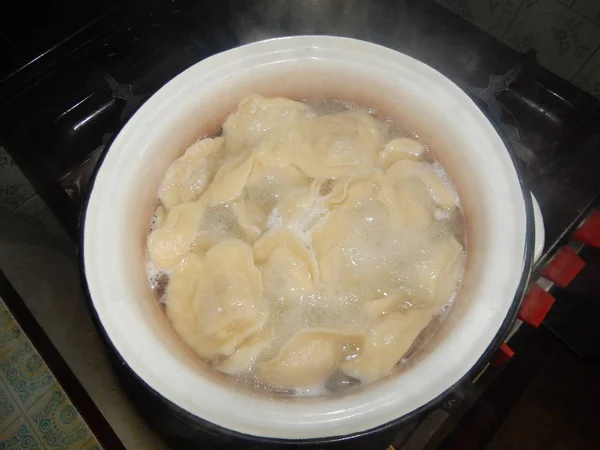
<point x="302" y="248"/>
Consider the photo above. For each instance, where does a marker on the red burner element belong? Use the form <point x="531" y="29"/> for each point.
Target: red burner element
<point x="563" y="267"/>
<point x="536" y="305"/>
<point x="503" y="354"/>
<point x="589" y="232"/>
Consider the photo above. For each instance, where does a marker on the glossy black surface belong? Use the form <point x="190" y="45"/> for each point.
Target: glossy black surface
<point x="72" y="84"/>
<point x="574" y="316"/>
<point x="28" y="32"/>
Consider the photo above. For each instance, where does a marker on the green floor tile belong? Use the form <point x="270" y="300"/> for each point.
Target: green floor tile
<point x="19" y="435"/>
<point x="9" y="410"/>
<point x="10" y="331"/>
<point x="56" y="421"/>
<point x="35" y="412"/>
<point x="24" y="374"/>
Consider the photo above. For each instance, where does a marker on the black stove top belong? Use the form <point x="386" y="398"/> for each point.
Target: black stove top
<point x="78" y="72"/>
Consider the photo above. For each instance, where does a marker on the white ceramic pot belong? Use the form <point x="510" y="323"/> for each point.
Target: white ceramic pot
<point x="499" y="220"/>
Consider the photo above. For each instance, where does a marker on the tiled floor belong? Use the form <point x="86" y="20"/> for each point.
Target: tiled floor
<point x="564" y="33"/>
<point x="35" y="413"/>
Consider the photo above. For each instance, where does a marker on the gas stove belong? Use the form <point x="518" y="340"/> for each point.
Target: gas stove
<point x="71" y="86"/>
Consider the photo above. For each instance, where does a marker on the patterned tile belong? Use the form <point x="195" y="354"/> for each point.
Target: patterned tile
<point x="57" y="422"/>
<point x="35" y="413"/>
<point x="10" y="332"/>
<point x="36" y="209"/>
<point x="588" y="8"/>
<point x="24" y="374"/>
<point x="588" y="77"/>
<point x="15" y="189"/>
<point x="563" y="40"/>
<point x="492" y="16"/>
<point x="8" y="409"/>
<point x="20" y="435"/>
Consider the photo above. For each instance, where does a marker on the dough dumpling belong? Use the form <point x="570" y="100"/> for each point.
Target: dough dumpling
<point x="351" y="243"/>
<point x="230" y="180"/>
<point x="308" y="359"/>
<point x="439" y="270"/>
<point x="269" y="181"/>
<point x="300" y="209"/>
<point x="400" y="148"/>
<point x="186" y="311"/>
<point x="258" y="116"/>
<point x="440" y="193"/>
<point x="390" y="339"/>
<point x="408" y="201"/>
<point x="229" y="221"/>
<point x="247" y="354"/>
<point x="289" y="268"/>
<point x="167" y="244"/>
<point x="188" y="176"/>
<point x="333" y="145"/>
<point x="385" y="305"/>
<point x="215" y="302"/>
<point x="229" y="292"/>
<point x="217" y="223"/>
<point x="250" y="217"/>
<point x="180" y="306"/>
<point x="351" y="189"/>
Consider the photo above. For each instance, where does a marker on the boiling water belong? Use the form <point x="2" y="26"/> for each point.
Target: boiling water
<point x="317" y="310"/>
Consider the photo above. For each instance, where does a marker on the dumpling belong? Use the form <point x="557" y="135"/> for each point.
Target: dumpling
<point x="258" y="116"/>
<point x="270" y="180"/>
<point x="385" y="305"/>
<point x="217" y="223"/>
<point x="229" y="291"/>
<point x="176" y="237"/>
<point x="183" y="309"/>
<point x="231" y="179"/>
<point x="250" y="217"/>
<point x="351" y="245"/>
<point x="385" y="345"/>
<point x="308" y="359"/>
<point x="439" y="270"/>
<point x="300" y="209"/>
<point x="215" y="302"/>
<point x="352" y="188"/>
<point x="188" y="176"/>
<point x="441" y="194"/>
<point x="180" y="306"/>
<point x="289" y="268"/>
<point x="247" y="354"/>
<point x="408" y="201"/>
<point x="237" y="219"/>
<point x="333" y="145"/>
<point x="400" y="148"/>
